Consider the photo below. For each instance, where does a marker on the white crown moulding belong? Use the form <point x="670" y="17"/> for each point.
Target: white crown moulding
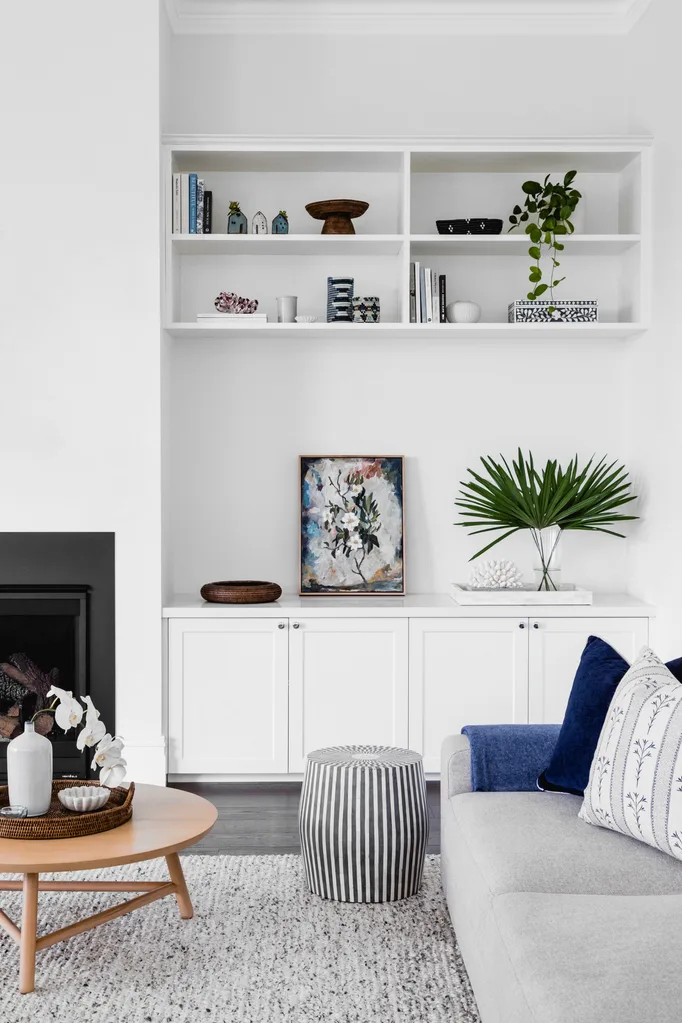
<point x="404" y="17"/>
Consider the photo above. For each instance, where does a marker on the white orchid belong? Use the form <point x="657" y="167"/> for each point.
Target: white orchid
<point x="68" y="712"/>
<point x="108" y="759"/>
<point x="354" y="542"/>
<point x="108" y="750"/>
<point x="94" y="730"/>
<point x="350" y="520"/>
<point x="356" y="488"/>
<point x="113" y="775"/>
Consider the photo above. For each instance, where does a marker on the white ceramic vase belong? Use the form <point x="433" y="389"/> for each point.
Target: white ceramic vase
<point x="463" y="312"/>
<point x="29" y="771"/>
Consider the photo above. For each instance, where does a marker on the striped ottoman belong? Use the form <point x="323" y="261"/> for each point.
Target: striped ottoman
<point x="364" y="823"/>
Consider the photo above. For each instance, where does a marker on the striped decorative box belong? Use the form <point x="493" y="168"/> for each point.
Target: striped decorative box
<point x="340" y="299"/>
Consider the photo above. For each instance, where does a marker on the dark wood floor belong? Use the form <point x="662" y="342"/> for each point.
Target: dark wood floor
<point x="263" y="818"/>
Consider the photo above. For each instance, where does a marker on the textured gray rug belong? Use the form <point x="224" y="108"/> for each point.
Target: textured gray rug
<point x="260" y="949"/>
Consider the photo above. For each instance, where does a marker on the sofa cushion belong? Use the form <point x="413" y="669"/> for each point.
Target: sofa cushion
<point x="535" y="842"/>
<point x="594" y="958"/>
<point x="599" y="673"/>
<point x="635" y="784"/>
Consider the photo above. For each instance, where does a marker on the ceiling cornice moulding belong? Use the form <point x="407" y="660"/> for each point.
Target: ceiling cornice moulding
<point x="404" y="17"/>
<point x="374" y="143"/>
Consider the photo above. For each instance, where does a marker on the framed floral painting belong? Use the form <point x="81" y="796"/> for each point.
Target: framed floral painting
<point x="352" y="524"/>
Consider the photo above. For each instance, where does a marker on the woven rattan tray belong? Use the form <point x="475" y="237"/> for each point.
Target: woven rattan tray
<point x="59" y="822"/>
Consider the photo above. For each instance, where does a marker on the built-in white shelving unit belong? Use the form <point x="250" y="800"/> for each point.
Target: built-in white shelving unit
<point x="409" y="185"/>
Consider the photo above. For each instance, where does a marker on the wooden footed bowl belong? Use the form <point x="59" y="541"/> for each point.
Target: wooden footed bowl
<point x="337" y="214"/>
<point x="241" y="591"/>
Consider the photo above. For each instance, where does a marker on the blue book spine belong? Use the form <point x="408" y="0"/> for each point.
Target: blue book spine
<point x="193" y="204"/>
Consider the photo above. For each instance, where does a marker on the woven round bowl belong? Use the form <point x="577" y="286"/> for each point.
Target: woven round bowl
<point x="241" y="591"/>
<point x="84" y="798"/>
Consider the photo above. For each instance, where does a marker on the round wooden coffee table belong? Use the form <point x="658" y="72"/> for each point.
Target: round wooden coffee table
<point x="164" y="821"/>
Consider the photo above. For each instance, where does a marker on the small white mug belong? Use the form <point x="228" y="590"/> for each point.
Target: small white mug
<point x="286" y="308"/>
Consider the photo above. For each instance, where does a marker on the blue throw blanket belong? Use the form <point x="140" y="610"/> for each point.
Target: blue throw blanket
<point x="509" y="758"/>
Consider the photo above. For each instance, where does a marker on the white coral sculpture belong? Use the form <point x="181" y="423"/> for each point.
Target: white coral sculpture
<point x="495" y="575"/>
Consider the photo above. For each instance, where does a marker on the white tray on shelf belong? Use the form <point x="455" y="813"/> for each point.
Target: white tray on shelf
<point x="528" y="594"/>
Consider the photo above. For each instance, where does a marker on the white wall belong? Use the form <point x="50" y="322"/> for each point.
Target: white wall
<point x="442" y="406"/>
<point x="655" y="370"/>
<point x="79" y="309"/>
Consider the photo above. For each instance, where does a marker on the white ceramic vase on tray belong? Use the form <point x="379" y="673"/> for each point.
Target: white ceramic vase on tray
<point x="29" y="771"/>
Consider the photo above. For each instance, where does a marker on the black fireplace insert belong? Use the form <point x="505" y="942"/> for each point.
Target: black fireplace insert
<point x="56" y="629"/>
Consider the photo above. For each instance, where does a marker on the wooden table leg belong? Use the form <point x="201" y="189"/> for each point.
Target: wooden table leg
<point x="178" y="879"/>
<point x="29" y="927"/>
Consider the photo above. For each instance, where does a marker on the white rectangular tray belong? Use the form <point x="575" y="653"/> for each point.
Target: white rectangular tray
<point x="528" y="595"/>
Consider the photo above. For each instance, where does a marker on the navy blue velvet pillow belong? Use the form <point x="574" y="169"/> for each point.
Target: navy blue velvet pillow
<point x="600" y="670"/>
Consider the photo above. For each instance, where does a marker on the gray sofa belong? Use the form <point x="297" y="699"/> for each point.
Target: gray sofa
<point x="557" y="921"/>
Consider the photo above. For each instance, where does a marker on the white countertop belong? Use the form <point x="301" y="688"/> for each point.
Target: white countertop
<point x="416" y="605"/>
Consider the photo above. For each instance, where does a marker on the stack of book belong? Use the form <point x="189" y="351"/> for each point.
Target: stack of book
<point x="192" y="205"/>
<point x="232" y="319"/>
<point x="427" y="295"/>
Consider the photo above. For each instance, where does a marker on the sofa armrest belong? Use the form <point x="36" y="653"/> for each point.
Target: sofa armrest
<point x="455" y="775"/>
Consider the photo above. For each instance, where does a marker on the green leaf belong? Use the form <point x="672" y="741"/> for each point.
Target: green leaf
<point x="512" y="219"/>
<point x="568" y="178"/>
<point x="534" y="252"/>
<point x="541" y="289"/>
<point x="560" y="229"/>
<point x="559" y="247"/>
<point x="566" y="212"/>
<point x="517" y="209"/>
<point x="532" y="207"/>
<point x="531" y="296"/>
<point x="524" y="216"/>
<point x="535" y="275"/>
<point x="531" y="187"/>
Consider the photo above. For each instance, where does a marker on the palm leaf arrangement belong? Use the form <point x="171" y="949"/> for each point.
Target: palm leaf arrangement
<point x="506" y="499"/>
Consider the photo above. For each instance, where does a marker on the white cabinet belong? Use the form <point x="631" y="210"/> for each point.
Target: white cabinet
<point x="499" y="670"/>
<point x="347" y="684"/>
<point x="251" y="692"/>
<point x="464" y="672"/>
<point x="227" y="696"/>
<point x="554" y="649"/>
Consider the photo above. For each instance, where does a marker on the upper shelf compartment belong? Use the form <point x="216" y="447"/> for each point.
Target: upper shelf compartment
<point x="488" y="184"/>
<point x="268" y="181"/>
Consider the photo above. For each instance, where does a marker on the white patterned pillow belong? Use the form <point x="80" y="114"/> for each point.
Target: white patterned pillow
<point x="635" y="784"/>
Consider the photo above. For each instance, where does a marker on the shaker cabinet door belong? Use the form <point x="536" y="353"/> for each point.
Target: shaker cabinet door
<point x="555" y="646"/>
<point x="348" y="684"/>
<point x="227" y="700"/>
<point x="465" y="672"/>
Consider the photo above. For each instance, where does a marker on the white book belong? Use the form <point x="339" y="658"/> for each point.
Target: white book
<point x="200" y="206"/>
<point x="435" y="301"/>
<point x="427" y="290"/>
<point x="184" y="203"/>
<point x="417" y="294"/>
<point x="176" y="204"/>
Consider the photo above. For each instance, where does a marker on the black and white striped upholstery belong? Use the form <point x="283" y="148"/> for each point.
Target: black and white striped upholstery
<point x="364" y="823"/>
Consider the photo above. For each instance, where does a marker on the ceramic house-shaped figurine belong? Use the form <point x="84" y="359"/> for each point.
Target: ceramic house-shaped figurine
<point x="259" y="224"/>
<point x="236" y="221"/>
<point x="280" y="224"/>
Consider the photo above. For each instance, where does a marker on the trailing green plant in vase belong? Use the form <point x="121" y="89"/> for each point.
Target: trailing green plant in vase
<point x="545" y="501"/>
<point x="547" y="214"/>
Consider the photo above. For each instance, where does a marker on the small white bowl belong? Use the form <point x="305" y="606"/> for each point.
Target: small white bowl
<point x="84" y="798"/>
<point x="306" y="319"/>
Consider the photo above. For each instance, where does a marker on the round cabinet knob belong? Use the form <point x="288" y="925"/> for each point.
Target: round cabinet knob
<point x="281" y="625"/>
<point x="535" y="625"/>
<point x="522" y="625"/>
<point x="296" y="625"/>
